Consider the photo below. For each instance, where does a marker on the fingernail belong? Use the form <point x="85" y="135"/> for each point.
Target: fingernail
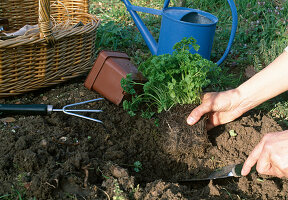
<point x="243" y="172"/>
<point x="190" y="120"/>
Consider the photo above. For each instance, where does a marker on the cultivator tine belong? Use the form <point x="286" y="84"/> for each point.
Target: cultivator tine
<point x="72" y="111"/>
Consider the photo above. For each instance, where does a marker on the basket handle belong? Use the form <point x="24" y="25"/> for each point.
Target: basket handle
<point x="44" y="24"/>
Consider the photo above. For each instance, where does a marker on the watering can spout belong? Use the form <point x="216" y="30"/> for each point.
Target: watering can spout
<point x="147" y="36"/>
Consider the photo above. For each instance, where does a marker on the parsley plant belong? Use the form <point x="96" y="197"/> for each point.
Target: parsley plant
<point x="171" y="79"/>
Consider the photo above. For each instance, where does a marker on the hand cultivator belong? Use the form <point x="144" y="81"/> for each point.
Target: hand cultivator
<point x="44" y="109"/>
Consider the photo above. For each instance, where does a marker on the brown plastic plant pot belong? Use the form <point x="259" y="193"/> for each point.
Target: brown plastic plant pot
<point x="105" y="76"/>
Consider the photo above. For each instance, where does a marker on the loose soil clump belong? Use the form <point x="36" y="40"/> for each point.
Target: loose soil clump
<point x="63" y="157"/>
<point x="182" y="142"/>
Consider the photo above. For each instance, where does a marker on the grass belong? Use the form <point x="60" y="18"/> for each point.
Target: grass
<point x="16" y="194"/>
<point x="18" y="191"/>
<point x="263" y="21"/>
<point x="261" y="36"/>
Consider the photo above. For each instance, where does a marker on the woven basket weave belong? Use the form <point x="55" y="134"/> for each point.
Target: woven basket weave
<point x="57" y="52"/>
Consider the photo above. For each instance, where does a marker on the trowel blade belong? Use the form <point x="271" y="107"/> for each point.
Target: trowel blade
<point x="224" y="172"/>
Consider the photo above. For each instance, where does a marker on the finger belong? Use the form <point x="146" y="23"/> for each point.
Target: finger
<point x="197" y="113"/>
<point x="212" y="121"/>
<point x="276" y="168"/>
<point x="216" y="119"/>
<point x="274" y="171"/>
<point x="252" y="159"/>
<point x="264" y="163"/>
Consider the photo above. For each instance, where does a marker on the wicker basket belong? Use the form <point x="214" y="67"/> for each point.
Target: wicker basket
<point x="59" y="51"/>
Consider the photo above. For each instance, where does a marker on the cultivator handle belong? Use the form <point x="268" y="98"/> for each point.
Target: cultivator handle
<point x="44" y="109"/>
<point x="25" y="109"/>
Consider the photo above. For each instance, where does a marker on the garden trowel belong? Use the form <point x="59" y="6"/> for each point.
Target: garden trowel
<point x="224" y="172"/>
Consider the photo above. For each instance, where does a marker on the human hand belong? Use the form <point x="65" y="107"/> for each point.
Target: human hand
<point x="222" y="107"/>
<point x="270" y="155"/>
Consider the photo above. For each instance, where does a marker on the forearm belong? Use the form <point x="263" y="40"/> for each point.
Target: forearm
<point x="268" y="83"/>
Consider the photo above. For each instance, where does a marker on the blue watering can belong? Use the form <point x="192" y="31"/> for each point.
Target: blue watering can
<point x="180" y="22"/>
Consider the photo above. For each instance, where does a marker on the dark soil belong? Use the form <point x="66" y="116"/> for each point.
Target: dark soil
<point x="64" y="157"/>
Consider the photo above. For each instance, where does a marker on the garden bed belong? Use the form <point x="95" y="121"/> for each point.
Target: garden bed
<point x="65" y="157"/>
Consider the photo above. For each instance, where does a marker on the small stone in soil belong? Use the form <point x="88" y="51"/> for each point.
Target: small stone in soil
<point x="118" y="172"/>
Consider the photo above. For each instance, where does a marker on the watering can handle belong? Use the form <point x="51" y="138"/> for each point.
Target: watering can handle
<point x="233" y="29"/>
<point x="166" y="4"/>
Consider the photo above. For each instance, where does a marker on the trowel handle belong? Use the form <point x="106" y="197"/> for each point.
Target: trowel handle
<point x="25" y="109"/>
<point x="238" y="168"/>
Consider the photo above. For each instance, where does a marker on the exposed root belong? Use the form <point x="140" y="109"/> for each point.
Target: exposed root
<point x="56" y="181"/>
<point x="85" y="168"/>
<point x="53" y="186"/>
<point x="95" y="188"/>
